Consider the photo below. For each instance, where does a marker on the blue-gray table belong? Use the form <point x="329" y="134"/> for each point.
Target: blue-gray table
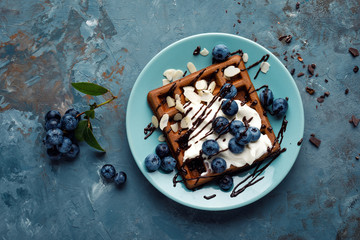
<point x="46" y="45"/>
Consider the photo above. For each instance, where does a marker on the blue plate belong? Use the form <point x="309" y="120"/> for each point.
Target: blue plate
<point x="176" y="56"/>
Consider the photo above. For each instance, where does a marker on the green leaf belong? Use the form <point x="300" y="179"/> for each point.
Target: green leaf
<point x="90" y="139"/>
<point x="90" y="113"/>
<point x="79" y="131"/>
<point x="90" y="88"/>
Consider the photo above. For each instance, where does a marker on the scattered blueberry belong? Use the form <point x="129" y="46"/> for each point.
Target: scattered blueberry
<point x="243" y="137"/>
<point x="210" y="147"/>
<point x="120" y="178"/>
<point x="229" y="107"/>
<point x="162" y="150"/>
<point x="218" y="165"/>
<point x="53" y="154"/>
<point x="65" y="145"/>
<point x="228" y="91"/>
<point x="234" y="147"/>
<point x="54" y="136"/>
<point x="226" y="183"/>
<point x="73" y="113"/>
<point x="52" y="114"/>
<point x="279" y="107"/>
<point x="266" y="98"/>
<point x="152" y="162"/>
<point x="52" y="123"/>
<point x="220" y="52"/>
<point x="68" y="122"/>
<point x="220" y="125"/>
<point x="108" y="172"/>
<point x="168" y="164"/>
<point x="235" y="126"/>
<point x="255" y="132"/>
<point x="73" y="152"/>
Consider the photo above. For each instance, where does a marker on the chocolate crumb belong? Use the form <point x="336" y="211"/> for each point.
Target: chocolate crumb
<point x="316" y="75"/>
<point x="282" y="37"/>
<point x="356" y="69"/>
<point x="326" y="94"/>
<point x="311" y="91"/>
<point x="315" y="141"/>
<point x="355" y="121"/>
<point x="326" y="80"/>
<point x="300" y="59"/>
<point x="197" y="51"/>
<point x="304" y="65"/>
<point x="320" y="99"/>
<point x="285" y="58"/>
<point x="313" y="135"/>
<point x="292" y="71"/>
<point x="354" y="52"/>
<point x="287" y="99"/>
<point x="288" y="39"/>
<point x="311" y="69"/>
<point x="357" y="158"/>
<point x="300" y="74"/>
<point x="300" y="142"/>
<point x="297" y="6"/>
<point x="346" y="91"/>
<point x="239" y="21"/>
<point x="285" y="53"/>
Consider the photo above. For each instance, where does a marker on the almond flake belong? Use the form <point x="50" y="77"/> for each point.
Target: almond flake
<point x="165" y="81"/>
<point x="164" y="121"/>
<point x="188" y="89"/>
<point x="231" y="71"/>
<point x="191" y="67"/>
<point x="204" y="52"/>
<point x="177" y="75"/>
<point x="155" y="121"/>
<point x="161" y="138"/>
<point x="245" y="57"/>
<point x="169" y="73"/>
<point x="192" y="96"/>
<point x="174" y="127"/>
<point x="170" y="101"/>
<point x="206" y="96"/>
<point x="185" y="122"/>
<point x="201" y="85"/>
<point x="264" y="67"/>
<point x="179" y="106"/>
<point x="177" y="97"/>
<point x="212" y="86"/>
<point x="178" y="117"/>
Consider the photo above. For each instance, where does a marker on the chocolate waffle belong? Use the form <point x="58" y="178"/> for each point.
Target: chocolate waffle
<point x="194" y="173"/>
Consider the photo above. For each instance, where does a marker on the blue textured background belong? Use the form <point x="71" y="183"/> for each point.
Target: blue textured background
<point x="46" y="45"/>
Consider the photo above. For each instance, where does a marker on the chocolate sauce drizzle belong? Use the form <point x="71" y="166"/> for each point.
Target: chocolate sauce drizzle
<point x="210" y="197"/>
<point x="148" y="130"/>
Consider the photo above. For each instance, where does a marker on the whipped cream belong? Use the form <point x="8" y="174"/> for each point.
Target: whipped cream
<point x="252" y="151"/>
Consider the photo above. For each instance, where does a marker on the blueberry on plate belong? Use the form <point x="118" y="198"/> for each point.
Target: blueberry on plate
<point x="220" y="52"/>
<point x="255" y="132"/>
<point x="53" y="154"/>
<point x="54" y="136"/>
<point x="68" y="122"/>
<point x="279" y="107"/>
<point x="228" y="91"/>
<point x="52" y="114"/>
<point x="218" y="165"/>
<point x="210" y="147"/>
<point x="162" y="150"/>
<point x="266" y="98"/>
<point x="65" y="145"/>
<point x="235" y="126"/>
<point x="220" y="125"/>
<point x="152" y="162"/>
<point x="243" y="137"/>
<point x="226" y="182"/>
<point x="168" y="164"/>
<point x="229" y="107"/>
<point x="108" y="172"/>
<point x="120" y="178"/>
<point x="234" y="147"/>
<point x="52" y="123"/>
<point x="73" y="152"/>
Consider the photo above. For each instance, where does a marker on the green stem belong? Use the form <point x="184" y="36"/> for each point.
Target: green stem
<point x="101" y="104"/>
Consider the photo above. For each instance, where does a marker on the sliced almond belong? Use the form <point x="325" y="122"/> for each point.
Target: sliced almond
<point x="191" y="67"/>
<point x="245" y="57"/>
<point x="164" y="121"/>
<point x="185" y="122"/>
<point x="179" y="106"/>
<point x="155" y="121"/>
<point x="178" y="117"/>
<point x="206" y="96"/>
<point x="231" y="71"/>
<point x="204" y="52"/>
<point x="174" y="127"/>
<point x="212" y="86"/>
<point x="169" y="73"/>
<point x="201" y="84"/>
<point x="177" y="97"/>
<point x="161" y="138"/>
<point x="264" y="67"/>
<point x="192" y="96"/>
<point x="165" y="81"/>
<point x="188" y="88"/>
<point x="170" y="101"/>
<point x="177" y="75"/>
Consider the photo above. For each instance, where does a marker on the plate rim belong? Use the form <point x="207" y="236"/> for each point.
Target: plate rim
<point x="129" y="136"/>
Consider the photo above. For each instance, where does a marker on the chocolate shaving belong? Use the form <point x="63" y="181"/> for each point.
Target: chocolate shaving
<point x="326" y="94"/>
<point x="346" y="91"/>
<point x="356" y="69"/>
<point x="300" y="59"/>
<point x="326" y="80"/>
<point x="320" y="99"/>
<point x="197" y="51"/>
<point x="300" y="74"/>
<point x="355" y="121"/>
<point x="297" y="6"/>
<point x="288" y="39"/>
<point x="300" y="142"/>
<point x="311" y="91"/>
<point x="292" y="71"/>
<point x="315" y="141"/>
<point x="354" y="52"/>
<point x="311" y="69"/>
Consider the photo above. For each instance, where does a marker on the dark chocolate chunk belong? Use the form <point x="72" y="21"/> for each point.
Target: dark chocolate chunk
<point x="326" y="80"/>
<point x="239" y="21"/>
<point x="326" y="94"/>
<point x="354" y="52"/>
<point x="288" y="38"/>
<point x="311" y="69"/>
<point x="300" y="141"/>
<point x="357" y="158"/>
<point x="320" y="99"/>
<point x="316" y="75"/>
<point x="346" y="91"/>
<point x="285" y="58"/>
<point x="315" y="141"/>
<point x="356" y="69"/>
<point x="282" y="37"/>
<point x="313" y="135"/>
<point x="300" y="74"/>
<point x="311" y="91"/>
<point x="197" y="51"/>
<point x="355" y="121"/>
<point x="292" y="71"/>
<point x="297" y="6"/>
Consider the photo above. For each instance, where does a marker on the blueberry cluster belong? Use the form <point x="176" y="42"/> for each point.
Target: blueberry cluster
<point x="60" y="134"/>
<point x="109" y="174"/>
<point x="160" y="159"/>
<point x="277" y="107"/>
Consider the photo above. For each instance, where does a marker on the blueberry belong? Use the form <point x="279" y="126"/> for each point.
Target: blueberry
<point x="108" y="172"/>
<point x="68" y="122"/>
<point x="70" y="134"/>
<point x="162" y="150"/>
<point x="280" y="106"/>
<point x="228" y="91"/>
<point x="47" y="145"/>
<point x="152" y="162"/>
<point x="210" y="147"/>
<point x="73" y="113"/>
<point x="120" y="178"/>
<point x="65" y="145"/>
<point x="73" y="152"/>
<point x="226" y="183"/>
<point x="52" y="114"/>
<point x="54" y="136"/>
<point x="235" y="126"/>
<point x="53" y="154"/>
<point x="220" y="52"/>
<point x="229" y="107"/>
<point x="218" y="165"/>
<point x="243" y="137"/>
<point x="234" y="147"/>
<point x="255" y="132"/>
<point x="52" y="123"/>
<point x="220" y="125"/>
<point x="266" y="98"/>
<point x="168" y="164"/>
